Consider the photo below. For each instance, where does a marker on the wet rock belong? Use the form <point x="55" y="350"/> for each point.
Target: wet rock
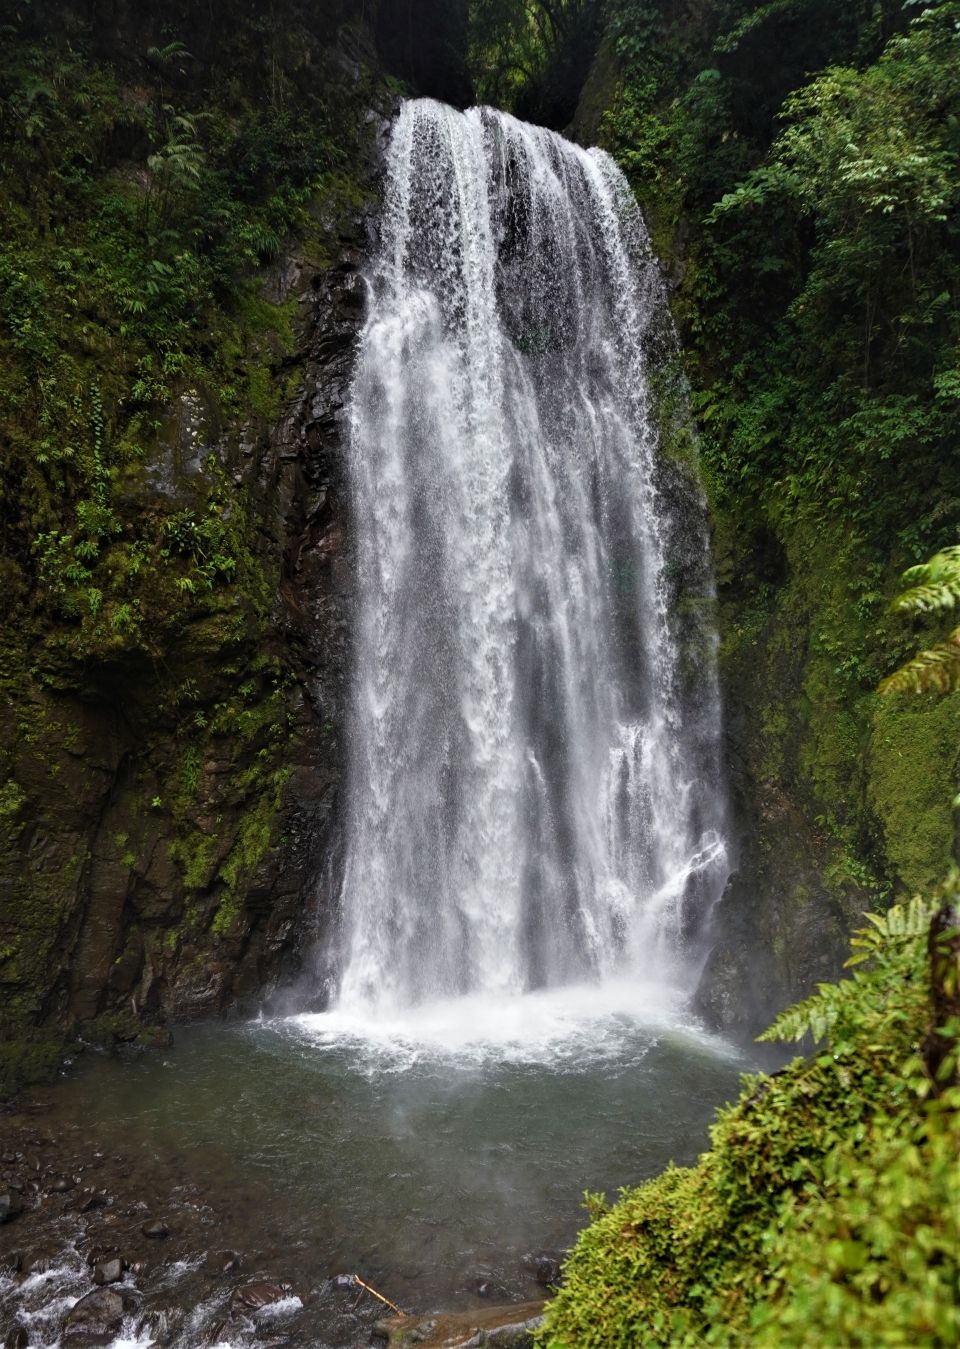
<point x="97" y="1319"/>
<point x="156" y="1228"/>
<point x="92" y="1201"/>
<point x="260" y="1294"/>
<point x="544" y="1266"/>
<point x="11" y="1204"/>
<point x="17" y="1338"/>
<point x="60" y="1185"/>
<point x="219" y="1263"/>
<point x="108" y="1271"/>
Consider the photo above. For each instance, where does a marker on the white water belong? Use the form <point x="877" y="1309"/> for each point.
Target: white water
<point x="533" y="798"/>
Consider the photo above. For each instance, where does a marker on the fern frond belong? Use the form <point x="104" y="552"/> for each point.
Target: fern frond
<point x="814" y="1016"/>
<point x="936" y="670"/>
<point x="930" y="598"/>
<point x="946" y="562"/>
<point x="932" y="586"/>
<point x="819" y="1014"/>
<point x="901" y="922"/>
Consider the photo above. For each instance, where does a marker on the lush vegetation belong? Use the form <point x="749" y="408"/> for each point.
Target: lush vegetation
<point x="137" y="209"/>
<point x="934" y="587"/>
<point x="829" y="1203"/>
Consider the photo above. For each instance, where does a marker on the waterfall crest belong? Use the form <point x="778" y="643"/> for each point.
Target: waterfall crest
<point x="533" y="793"/>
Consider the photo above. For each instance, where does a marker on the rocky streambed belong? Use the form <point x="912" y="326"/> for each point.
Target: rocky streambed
<point x="290" y="1182"/>
<point x="104" y="1247"/>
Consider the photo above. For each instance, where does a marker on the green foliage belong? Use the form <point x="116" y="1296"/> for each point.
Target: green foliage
<point x="933" y="587"/>
<point x="133" y="222"/>
<point x="826" y="1210"/>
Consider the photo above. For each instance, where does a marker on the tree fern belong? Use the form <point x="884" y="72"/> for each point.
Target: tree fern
<point x="933" y="588"/>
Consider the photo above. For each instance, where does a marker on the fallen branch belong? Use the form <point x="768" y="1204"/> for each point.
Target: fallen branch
<point x="357" y="1279"/>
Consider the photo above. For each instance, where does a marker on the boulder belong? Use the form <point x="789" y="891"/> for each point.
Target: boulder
<point x="260" y="1294"/>
<point x="97" y="1319"/>
<point x="44" y="1256"/>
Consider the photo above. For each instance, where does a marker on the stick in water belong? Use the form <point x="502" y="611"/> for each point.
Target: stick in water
<point x="386" y="1300"/>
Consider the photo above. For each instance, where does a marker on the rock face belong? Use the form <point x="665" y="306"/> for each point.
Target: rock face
<point x="152" y="879"/>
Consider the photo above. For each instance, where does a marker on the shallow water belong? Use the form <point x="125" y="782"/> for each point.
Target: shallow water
<point x="427" y="1155"/>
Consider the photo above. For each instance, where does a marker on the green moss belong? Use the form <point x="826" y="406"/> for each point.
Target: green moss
<point x="826" y="1210"/>
<point x="196" y="852"/>
<point x="913" y="777"/>
<point x="12" y="798"/>
<point x="256" y="835"/>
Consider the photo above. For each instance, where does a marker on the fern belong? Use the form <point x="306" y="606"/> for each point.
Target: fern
<point x="824" y="1013"/>
<point x="934" y="587"/>
<point x="902" y="922"/>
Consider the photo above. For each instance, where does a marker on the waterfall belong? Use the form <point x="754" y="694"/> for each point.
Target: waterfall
<point x="533" y="794"/>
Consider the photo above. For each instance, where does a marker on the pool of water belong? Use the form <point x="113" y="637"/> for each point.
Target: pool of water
<point x="429" y="1154"/>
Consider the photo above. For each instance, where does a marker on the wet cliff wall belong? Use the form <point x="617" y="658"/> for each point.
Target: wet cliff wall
<point x="187" y="201"/>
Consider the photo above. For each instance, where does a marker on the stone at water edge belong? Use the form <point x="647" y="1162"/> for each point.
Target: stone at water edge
<point x="46" y="1255"/>
<point x="17" y="1338"/>
<point x="11" y="1204"/>
<point x="97" y="1319"/>
<point x="156" y="1228"/>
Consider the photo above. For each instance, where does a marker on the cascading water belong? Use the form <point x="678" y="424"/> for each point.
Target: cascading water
<point x="533" y="795"/>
